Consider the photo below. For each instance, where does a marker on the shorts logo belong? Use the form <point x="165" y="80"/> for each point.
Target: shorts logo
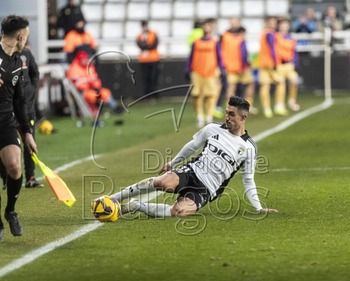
<point x="14" y="80"/>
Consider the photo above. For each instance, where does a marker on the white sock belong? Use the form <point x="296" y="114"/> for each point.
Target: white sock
<point x="155" y="210"/>
<point x="141" y="187"/>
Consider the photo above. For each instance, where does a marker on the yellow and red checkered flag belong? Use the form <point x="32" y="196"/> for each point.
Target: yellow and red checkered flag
<point x="57" y="185"/>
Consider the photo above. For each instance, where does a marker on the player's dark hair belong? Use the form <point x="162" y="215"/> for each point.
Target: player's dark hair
<point x="239" y="102"/>
<point x="11" y="24"/>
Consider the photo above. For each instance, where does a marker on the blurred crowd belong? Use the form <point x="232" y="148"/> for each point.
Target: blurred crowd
<point x="218" y="66"/>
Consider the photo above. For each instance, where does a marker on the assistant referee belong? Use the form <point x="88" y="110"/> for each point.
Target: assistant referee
<point x="14" y="32"/>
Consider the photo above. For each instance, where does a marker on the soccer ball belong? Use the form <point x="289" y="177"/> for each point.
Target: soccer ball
<point x="105" y="209"/>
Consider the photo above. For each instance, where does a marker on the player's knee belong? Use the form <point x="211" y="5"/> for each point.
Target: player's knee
<point x="14" y="170"/>
<point x="182" y="212"/>
<point x="183" y="208"/>
<point x="167" y="182"/>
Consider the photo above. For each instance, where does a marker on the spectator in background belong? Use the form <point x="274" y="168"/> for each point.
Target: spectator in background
<point x="286" y="50"/>
<point x="235" y="58"/>
<point x="86" y="80"/>
<point x="68" y="16"/>
<point x="79" y="40"/>
<point x="53" y="35"/>
<point x="149" y="57"/>
<point x="201" y="68"/>
<point x="306" y="23"/>
<point x="196" y="33"/>
<point x="235" y="25"/>
<point x="268" y="74"/>
<point x="331" y="19"/>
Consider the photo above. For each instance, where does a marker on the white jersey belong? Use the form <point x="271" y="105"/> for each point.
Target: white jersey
<point x="222" y="156"/>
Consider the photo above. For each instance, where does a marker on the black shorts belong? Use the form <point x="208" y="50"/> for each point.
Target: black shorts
<point x="191" y="187"/>
<point x="9" y="136"/>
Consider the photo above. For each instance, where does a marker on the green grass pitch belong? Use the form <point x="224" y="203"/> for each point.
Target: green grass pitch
<point x="306" y="178"/>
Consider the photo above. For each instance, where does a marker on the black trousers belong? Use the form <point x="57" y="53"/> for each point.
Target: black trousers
<point x="150" y="77"/>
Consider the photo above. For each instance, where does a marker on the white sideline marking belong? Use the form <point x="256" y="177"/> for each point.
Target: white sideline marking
<point x="294" y="119"/>
<point x="324" y="169"/>
<point x="33" y="255"/>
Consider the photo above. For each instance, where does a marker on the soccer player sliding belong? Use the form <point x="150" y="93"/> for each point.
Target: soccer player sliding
<point x="226" y="148"/>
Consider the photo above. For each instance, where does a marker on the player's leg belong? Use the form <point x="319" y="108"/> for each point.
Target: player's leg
<point x="1" y="225"/>
<point x="197" y="98"/>
<point x="279" y="78"/>
<point x="142" y="187"/>
<point x="210" y="91"/>
<point x="167" y="182"/>
<point x="247" y="80"/>
<point x="11" y="157"/>
<point x="29" y="166"/>
<point x="293" y="90"/>
<point x="192" y="196"/>
<point x="264" y="92"/>
<point x="3" y="174"/>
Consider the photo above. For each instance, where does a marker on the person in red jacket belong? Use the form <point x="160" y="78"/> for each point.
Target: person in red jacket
<point x="86" y="80"/>
<point x="149" y="57"/>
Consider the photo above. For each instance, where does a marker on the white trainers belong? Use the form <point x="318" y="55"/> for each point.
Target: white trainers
<point x="293" y="105"/>
<point x="130" y="207"/>
<point x="280" y="110"/>
<point x="268" y="112"/>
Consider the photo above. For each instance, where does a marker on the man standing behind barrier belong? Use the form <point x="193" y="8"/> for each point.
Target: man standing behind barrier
<point x="201" y="67"/>
<point x="268" y="63"/>
<point x="15" y="32"/>
<point x="79" y="40"/>
<point x="149" y="57"/>
<point x="68" y="16"/>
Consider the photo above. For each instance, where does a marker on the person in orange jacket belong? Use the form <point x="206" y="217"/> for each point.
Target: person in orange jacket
<point x="201" y="67"/>
<point x="79" y="40"/>
<point x="268" y="71"/>
<point x="149" y="57"/>
<point x="86" y="80"/>
<point x="286" y="50"/>
<point x="235" y="58"/>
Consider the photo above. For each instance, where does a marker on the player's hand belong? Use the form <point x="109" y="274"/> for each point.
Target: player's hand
<point x="30" y="143"/>
<point x="267" y="210"/>
<point x="165" y="169"/>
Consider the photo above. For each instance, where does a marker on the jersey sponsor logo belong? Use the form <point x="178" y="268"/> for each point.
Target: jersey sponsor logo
<point x="221" y="153"/>
<point x="14" y="80"/>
